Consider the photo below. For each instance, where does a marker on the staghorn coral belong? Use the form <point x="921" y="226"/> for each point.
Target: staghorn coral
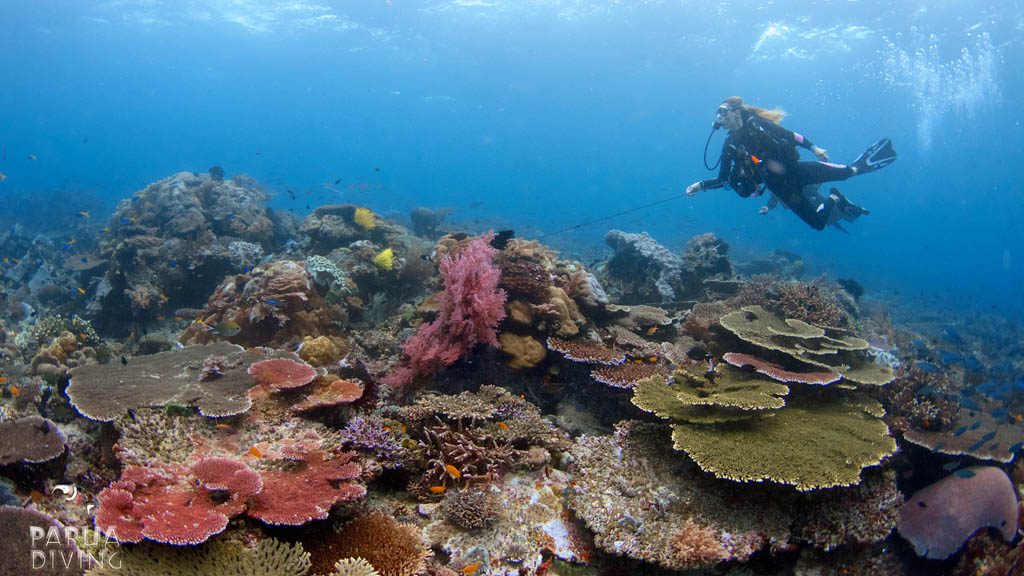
<point x="938" y="519"/>
<point x="105" y="391"/>
<point x="270" y="557"/>
<point x="371" y="434"/>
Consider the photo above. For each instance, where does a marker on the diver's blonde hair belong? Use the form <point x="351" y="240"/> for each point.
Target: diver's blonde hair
<point x="774" y="115"/>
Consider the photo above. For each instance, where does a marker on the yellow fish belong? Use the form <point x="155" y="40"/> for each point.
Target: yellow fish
<point x="81" y="290"/>
<point x="83" y="213"/>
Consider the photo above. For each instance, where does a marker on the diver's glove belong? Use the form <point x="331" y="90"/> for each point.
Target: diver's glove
<point x="692" y="189"/>
<point x="820" y="152"/>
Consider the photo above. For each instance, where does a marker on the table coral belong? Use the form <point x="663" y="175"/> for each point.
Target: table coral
<point x="282" y="373"/>
<point x="32" y="440"/>
<point x="105" y="391"/>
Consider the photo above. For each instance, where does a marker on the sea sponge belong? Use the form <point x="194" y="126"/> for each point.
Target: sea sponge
<point x="364" y="218"/>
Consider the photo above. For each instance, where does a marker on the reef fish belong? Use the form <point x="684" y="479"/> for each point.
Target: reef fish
<point x="226" y="328"/>
<point x="965" y="473"/>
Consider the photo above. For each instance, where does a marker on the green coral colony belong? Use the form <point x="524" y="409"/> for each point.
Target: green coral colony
<point x="240" y="392"/>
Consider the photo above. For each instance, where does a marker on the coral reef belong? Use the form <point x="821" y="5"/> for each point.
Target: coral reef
<point x="938" y="519"/>
<point x="275" y="305"/>
<point x="170" y="243"/>
<point x="32" y="439"/>
<point x="643" y="503"/>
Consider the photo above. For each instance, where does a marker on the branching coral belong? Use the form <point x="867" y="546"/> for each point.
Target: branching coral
<point x="270" y="557"/>
<point x="391" y="547"/>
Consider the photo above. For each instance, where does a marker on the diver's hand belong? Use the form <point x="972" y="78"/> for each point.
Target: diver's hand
<point x="820" y="152"/>
<point x="764" y="210"/>
<point x="692" y="189"/>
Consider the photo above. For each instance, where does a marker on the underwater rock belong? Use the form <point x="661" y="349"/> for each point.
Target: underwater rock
<point x="706" y="257"/>
<point x="643" y="270"/>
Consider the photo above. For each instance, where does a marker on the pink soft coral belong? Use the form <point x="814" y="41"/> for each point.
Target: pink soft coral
<point x="471" y="305"/>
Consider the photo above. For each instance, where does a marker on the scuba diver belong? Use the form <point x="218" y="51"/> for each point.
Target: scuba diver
<point x="760" y="154"/>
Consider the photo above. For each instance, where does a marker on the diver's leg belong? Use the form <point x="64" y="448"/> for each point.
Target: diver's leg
<point x="817" y="172"/>
<point x="805" y="205"/>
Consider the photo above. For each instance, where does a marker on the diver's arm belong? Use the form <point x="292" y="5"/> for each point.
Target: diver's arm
<point x="723" y="173"/>
<point x="794" y="137"/>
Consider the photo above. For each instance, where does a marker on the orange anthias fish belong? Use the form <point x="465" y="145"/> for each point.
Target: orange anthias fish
<point x="256" y="452"/>
<point x="453" y="471"/>
<point x="15" y="391"/>
<point x="471" y="568"/>
<point x="439" y="489"/>
<point x="503" y="426"/>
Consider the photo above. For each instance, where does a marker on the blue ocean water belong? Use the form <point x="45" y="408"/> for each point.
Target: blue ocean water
<point x="538" y="115"/>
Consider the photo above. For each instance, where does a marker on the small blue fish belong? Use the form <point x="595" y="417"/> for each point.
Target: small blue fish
<point x="939" y="446"/>
<point x="972" y="364"/>
<point x="926" y="390"/>
<point x="949" y="334"/>
<point x="125" y="221"/>
<point x="949" y="466"/>
<point x="988" y="436"/>
<point x="173" y="264"/>
<point x="975" y="425"/>
<point x="960" y="431"/>
<point x="245" y="270"/>
<point x="273" y="302"/>
<point x="1016" y="447"/>
<point x="928" y="368"/>
<point x="964" y="473"/>
<point x="919" y="344"/>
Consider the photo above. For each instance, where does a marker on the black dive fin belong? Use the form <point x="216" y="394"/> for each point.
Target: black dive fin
<point x="877" y="156"/>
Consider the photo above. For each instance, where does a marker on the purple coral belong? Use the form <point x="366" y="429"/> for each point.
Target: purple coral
<point x="368" y="434"/>
<point x="938" y="519"/>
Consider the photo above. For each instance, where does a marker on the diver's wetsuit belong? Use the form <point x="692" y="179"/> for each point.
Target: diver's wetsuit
<point x="761" y="151"/>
